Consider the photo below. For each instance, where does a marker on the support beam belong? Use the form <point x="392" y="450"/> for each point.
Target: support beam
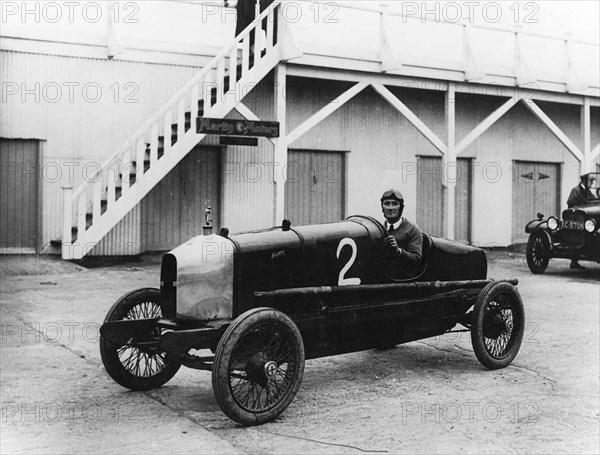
<point x="522" y="73"/>
<point x="472" y="71"/>
<point x="574" y="83"/>
<point x="483" y="126"/>
<point x="490" y="89"/>
<point x="411" y="117"/>
<point x="389" y="59"/>
<point x="280" y="151"/>
<point x="325" y="112"/>
<point x="449" y="169"/>
<point x="535" y="109"/>
<point x="247" y="113"/>
<point x="594" y="153"/>
<point x="586" y="133"/>
<point x="288" y="45"/>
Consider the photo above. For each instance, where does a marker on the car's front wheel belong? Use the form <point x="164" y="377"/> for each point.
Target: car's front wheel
<point x="498" y="324"/>
<point x="538" y="252"/>
<point x="138" y="363"/>
<point x="258" y="366"/>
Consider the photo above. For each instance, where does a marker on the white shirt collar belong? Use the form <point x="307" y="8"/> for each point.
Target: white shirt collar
<point x="396" y="224"/>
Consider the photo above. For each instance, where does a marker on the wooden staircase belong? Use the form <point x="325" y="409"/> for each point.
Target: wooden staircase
<point x="96" y="206"/>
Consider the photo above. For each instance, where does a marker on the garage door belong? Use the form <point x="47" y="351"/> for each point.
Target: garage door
<point x="173" y="212"/>
<point x="430" y="216"/>
<point x="536" y="189"/>
<point x="314" y="191"/>
<point x="430" y="197"/>
<point x="19" y="196"/>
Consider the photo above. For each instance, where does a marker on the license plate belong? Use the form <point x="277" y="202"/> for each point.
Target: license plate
<point x="578" y="225"/>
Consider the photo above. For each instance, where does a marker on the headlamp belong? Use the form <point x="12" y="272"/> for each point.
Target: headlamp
<point x="552" y="223"/>
<point x="590" y="225"/>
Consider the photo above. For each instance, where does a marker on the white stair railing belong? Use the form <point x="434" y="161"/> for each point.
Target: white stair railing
<point x="97" y="205"/>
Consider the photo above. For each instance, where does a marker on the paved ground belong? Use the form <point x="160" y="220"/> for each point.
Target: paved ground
<point x="430" y="396"/>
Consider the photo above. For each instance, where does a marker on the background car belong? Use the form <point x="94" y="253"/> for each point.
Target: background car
<point x="575" y="236"/>
<point x="265" y="301"/>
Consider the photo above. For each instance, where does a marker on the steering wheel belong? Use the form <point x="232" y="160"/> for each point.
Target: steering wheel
<point x="598" y="192"/>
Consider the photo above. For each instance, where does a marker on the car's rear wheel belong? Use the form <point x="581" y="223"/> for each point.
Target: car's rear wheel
<point x="258" y="366"/>
<point x="498" y="324"/>
<point x="139" y="363"/>
<point x="538" y="252"/>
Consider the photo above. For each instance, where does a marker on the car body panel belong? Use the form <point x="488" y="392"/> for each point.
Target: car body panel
<point x="204" y="280"/>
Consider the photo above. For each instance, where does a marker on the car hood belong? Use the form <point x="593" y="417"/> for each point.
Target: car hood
<point x="583" y="212"/>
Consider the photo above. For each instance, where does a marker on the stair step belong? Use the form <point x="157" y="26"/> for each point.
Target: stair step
<point x="146" y="164"/>
<point x="186" y="125"/>
<point x="160" y="151"/>
<point x="58" y="241"/>
<point x="161" y="139"/>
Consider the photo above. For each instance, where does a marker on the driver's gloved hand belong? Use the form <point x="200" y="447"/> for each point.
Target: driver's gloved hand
<point x="391" y="245"/>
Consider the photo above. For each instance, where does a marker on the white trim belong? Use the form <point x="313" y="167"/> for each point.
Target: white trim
<point x="322" y="114"/>
<point x="280" y="151"/>
<point x="595" y="152"/>
<point x="411" y="117"/>
<point x="449" y="162"/>
<point x="586" y="132"/>
<point x="485" y="124"/>
<point x="535" y="109"/>
<point x="490" y="88"/>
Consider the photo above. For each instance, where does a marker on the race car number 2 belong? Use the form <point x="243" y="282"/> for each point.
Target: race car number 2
<point x="342" y="280"/>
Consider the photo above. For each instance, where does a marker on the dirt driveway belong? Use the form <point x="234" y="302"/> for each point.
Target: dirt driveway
<point x="430" y="396"/>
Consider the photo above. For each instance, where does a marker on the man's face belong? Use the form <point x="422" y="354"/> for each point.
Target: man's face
<point x="589" y="182"/>
<point x="391" y="209"/>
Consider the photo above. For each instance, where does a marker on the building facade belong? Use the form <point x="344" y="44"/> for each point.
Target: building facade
<point x="478" y="142"/>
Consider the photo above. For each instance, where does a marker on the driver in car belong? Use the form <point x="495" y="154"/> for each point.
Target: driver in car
<point x="581" y="193"/>
<point x="404" y="242"/>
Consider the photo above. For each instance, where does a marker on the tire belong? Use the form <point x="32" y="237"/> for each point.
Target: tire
<point x="498" y="324"/>
<point x="260" y="353"/>
<point x="538" y="252"/>
<point x="132" y="366"/>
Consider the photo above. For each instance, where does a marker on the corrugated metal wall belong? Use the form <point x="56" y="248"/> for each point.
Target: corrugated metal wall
<point x="174" y="211"/>
<point x="518" y="135"/>
<point x="84" y="109"/>
<point x="381" y="142"/>
<point x="383" y="146"/>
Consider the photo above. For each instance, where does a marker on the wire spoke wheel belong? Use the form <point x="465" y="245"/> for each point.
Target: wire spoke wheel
<point x="138" y="364"/>
<point x="538" y="252"/>
<point x="258" y="366"/>
<point x="498" y="325"/>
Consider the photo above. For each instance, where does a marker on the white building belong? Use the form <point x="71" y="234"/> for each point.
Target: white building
<point x="479" y="126"/>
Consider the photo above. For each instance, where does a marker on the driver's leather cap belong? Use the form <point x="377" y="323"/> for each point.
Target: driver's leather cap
<point x="392" y="194"/>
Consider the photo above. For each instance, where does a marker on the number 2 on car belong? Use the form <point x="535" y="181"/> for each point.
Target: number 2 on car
<point x="342" y="281"/>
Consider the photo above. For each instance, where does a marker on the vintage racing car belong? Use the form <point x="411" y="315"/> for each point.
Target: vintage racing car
<point x="576" y="236"/>
<point x="265" y="301"/>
